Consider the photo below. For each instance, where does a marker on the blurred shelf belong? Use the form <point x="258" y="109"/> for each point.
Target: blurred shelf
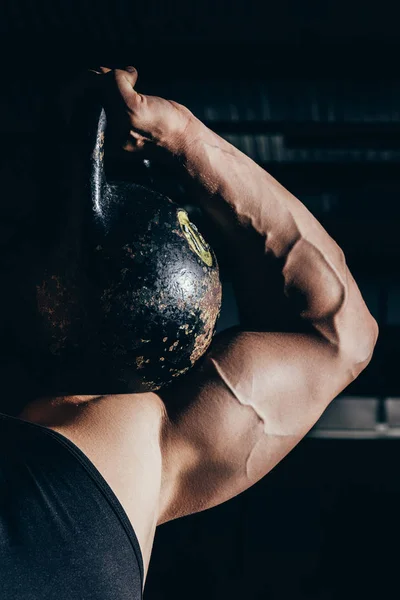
<point x="393" y="412"/>
<point x="355" y="434"/>
<point x="350" y="413"/>
<point x="351" y="417"/>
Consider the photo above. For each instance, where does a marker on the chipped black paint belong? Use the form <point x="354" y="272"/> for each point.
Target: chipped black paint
<point x="139" y="305"/>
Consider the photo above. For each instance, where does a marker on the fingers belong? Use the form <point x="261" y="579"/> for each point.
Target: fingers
<point x="104" y="70"/>
<point x="124" y="78"/>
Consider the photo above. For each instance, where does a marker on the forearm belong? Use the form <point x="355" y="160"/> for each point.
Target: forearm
<point x="259" y="216"/>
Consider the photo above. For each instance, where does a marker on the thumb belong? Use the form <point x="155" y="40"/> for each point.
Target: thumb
<point x="133" y="74"/>
<point x="126" y="80"/>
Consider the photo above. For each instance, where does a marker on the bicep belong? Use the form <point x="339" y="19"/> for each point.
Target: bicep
<point x="235" y="417"/>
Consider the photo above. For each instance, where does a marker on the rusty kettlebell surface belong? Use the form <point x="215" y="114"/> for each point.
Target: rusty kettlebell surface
<point x="133" y="301"/>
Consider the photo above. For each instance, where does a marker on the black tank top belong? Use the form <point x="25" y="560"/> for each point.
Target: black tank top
<point x="63" y="533"/>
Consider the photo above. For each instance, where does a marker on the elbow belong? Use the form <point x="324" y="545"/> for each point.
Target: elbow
<point x="367" y="341"/>
<point x="359" y="350"/>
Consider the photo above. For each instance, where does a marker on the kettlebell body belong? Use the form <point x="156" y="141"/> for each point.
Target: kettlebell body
<point x="131" y="299"/>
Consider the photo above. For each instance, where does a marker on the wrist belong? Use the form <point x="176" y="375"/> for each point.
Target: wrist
<point x="180" y="131"/>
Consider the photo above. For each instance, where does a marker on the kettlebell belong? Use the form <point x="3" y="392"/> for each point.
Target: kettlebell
<point x="130" y="299"/>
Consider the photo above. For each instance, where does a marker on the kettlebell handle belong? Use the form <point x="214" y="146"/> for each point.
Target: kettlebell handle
<point x="98" y="181"/>
<point x="98" y="184"/>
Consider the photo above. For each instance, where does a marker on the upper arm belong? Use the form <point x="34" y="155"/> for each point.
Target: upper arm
<point x="252" y="399"/>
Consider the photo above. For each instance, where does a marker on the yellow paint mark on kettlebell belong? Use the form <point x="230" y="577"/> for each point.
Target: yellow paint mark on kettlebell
<point x="194" y="238"/>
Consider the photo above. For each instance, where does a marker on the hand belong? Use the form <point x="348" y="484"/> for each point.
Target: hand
<point x="138" y="121"/>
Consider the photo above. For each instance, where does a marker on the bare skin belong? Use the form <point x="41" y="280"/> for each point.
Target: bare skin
<point x="257" y="393"/>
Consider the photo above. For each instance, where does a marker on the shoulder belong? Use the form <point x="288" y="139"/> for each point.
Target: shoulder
<point x="121" y="435"/>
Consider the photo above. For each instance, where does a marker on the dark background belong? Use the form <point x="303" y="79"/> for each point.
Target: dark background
<point x="311" y="91"/>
